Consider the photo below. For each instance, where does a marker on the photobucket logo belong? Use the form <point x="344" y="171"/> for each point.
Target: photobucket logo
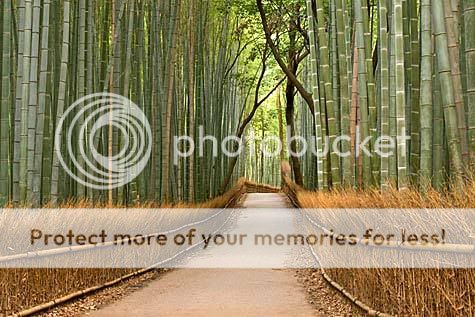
<point x="91" y="120"/>
<point x="271" y="146"/>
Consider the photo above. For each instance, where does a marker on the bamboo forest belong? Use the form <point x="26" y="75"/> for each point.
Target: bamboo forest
<point x="237" y="158"/>
<point x="379" y="69"/>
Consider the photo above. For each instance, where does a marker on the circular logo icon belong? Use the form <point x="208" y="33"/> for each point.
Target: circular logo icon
<point x="88" y="124"/>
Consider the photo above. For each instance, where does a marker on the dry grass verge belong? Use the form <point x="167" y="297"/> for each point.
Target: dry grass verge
<point x="252" y="187"/>
<point x="402" y="292"/>
<point x="21" y="289"/>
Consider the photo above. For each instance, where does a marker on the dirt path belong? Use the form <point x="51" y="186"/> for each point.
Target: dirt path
<point x="229" y="292"/>
<point x="213" y="293"/>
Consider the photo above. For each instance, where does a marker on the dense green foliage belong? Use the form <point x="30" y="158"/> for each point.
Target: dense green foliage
<point x="393" y="69"/>
<point x="186" y="64"/>
<point x="325" y="68"/>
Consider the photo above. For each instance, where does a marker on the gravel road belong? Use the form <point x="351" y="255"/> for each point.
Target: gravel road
<point x="229" y="292"/>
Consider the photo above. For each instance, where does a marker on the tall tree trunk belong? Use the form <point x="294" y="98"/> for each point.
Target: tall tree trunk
<point x="400" y="95"/>
<point x="345" y="91"/>
<point x="414" y="102"/>
<point x="166" y="145"/>
<point x="191" y="97"/>
<point x="334" y="162"/>
<point x="453" y="42"/>
<point x="365" y="130"/>
<point x="447" y="93"/>
<point x="6" y="101"/>
<point x="427" y="110"/>
<point x="289" y="116"/>
<point x="469" y="50"/>
<point x="81" y="87"/>
<point x="61" y="100"/>
<point x="42" y="100"/>
<point x="384" y="87"/>
<point x="25" y="90"/>
<point x="317" y="114"/>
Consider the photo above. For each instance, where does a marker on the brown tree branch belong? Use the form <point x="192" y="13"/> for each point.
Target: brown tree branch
<point x="250" y="116"/>
<point x="303" y="92"/>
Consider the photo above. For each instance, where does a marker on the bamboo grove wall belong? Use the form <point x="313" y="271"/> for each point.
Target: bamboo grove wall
<point x="392" y="68"/>
<point x="177" y="60"/>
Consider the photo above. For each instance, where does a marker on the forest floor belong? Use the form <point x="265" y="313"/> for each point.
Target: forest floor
<point x="221" y="292"/>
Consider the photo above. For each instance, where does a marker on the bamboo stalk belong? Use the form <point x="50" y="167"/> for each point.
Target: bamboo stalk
<point x="384" y="89"/>
<point x="334" y="163"/>
<point x="61" y="100"/>
<point x="447" y="93"/>
<point x="469" y="52"/>
<point x="6" y="98"/>
<point x="315" y="94"/>
<point x="365" y="128"/>
<point x="400" y="96"/>
<point x="427" y="110"/>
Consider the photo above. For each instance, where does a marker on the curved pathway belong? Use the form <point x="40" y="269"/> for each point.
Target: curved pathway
<point x="228" y="292"/>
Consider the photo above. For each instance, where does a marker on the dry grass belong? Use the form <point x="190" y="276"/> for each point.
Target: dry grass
<point x="253" y="187"/>
<point x="402" y="292"/>
<point x="217" y="202"/>
<point x="24" y="288"/>
<point x="412" y="292"/>
<point x="389" y="199"/>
